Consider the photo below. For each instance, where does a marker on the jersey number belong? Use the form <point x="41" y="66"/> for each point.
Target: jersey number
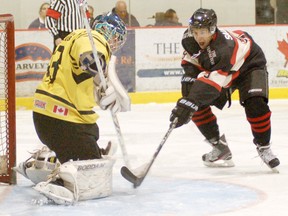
<point x="55" y="65"/>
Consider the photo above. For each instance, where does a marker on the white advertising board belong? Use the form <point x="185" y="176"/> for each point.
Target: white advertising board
<point x="158" y="53"/>
<point x="158" y="59"/>
<point x="32" y="55"/>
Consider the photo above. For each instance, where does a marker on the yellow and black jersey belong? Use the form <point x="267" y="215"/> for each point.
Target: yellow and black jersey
<point x="67" y="91"/>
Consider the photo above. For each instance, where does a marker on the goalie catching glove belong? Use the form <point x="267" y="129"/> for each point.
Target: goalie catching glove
<point x="184" y="111"/>
<point x="112" y="94"/>
<point x="107" y="99"/>
<point x="114" y="97"/>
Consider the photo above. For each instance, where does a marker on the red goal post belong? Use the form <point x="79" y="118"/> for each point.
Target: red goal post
<point x="7" y="100"/>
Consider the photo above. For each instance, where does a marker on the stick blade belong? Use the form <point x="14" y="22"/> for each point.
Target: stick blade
<point x="129" y="176"/>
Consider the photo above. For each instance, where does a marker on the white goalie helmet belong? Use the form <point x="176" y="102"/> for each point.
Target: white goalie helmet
<point x="112" y="28"/>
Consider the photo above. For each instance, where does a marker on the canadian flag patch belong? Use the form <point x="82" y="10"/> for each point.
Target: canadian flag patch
<point x="60" y="110"/>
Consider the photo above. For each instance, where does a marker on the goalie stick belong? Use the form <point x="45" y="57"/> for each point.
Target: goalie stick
<point x="103" y="81"/>
<point x="137" y="179"/>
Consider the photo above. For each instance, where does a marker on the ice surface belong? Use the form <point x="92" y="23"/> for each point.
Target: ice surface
<point x="178" y="183"/>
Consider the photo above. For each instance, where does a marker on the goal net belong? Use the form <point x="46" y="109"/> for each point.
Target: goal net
<point x="7" y="100"/>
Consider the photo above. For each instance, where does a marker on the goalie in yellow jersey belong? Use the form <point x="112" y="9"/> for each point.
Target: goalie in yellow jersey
<point x="64" y="118"/>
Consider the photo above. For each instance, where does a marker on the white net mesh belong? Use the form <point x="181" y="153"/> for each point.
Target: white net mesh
<point x="3" y="165"/>
<point x="7" y="100"/>
<point x="3" y="92"/>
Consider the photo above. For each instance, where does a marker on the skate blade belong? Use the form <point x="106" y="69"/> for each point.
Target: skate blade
<point x="274" y="170"/>
<point x="220" y="163"/>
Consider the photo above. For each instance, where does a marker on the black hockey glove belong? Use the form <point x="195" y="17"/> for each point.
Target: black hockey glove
<point x="183" y="111"/>
<point x="186" y="84"/>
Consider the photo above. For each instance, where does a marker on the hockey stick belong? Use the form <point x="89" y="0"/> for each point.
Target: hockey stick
<point x="93" y="45"/>
<point x="137" y="180"/>
<point x="116" y="122"/>
<point x="103" y="81"/>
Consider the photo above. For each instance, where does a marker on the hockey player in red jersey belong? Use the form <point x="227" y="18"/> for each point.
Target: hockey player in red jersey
<point x="217" y="62"/>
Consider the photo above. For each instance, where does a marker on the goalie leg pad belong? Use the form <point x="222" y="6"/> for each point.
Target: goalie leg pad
<point x="39" y="166"/>
<point x="83" y="180"/>
<point x="60" y="195"/>
<point x="92" y="180"/>
<point x="38" y="175"/>
<point x="21" y="168"/>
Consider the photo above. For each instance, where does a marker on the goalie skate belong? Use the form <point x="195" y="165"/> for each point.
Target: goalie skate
<point x="220" y="156"/>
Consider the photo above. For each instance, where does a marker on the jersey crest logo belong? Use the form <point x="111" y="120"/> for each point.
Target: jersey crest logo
<point x="211" y="55"/>
<point x="40" y="104"/>
<point x="196" y="55"/>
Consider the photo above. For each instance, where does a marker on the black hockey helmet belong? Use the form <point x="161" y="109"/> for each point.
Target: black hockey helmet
<point x="203" y="18"/>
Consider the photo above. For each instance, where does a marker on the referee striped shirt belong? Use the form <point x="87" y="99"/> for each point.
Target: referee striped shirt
<point x="64" y="16"/>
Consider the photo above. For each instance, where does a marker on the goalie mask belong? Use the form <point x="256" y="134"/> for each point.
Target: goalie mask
<point x="203" y="18"/>
<point x="112" y="28"/>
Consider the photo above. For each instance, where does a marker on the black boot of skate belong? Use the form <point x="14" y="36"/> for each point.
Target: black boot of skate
<point x="220" y="156"/>
<point x="268" y="157"/>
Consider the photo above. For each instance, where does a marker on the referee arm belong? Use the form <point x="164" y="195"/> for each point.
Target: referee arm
<point x="53" y="14"/>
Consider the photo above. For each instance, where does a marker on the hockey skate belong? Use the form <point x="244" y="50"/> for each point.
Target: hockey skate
<point x="220" y="156"/>
<point x="268" y="157"/>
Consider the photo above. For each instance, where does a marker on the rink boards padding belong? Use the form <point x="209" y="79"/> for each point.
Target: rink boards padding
<point x="159" y="97"/>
